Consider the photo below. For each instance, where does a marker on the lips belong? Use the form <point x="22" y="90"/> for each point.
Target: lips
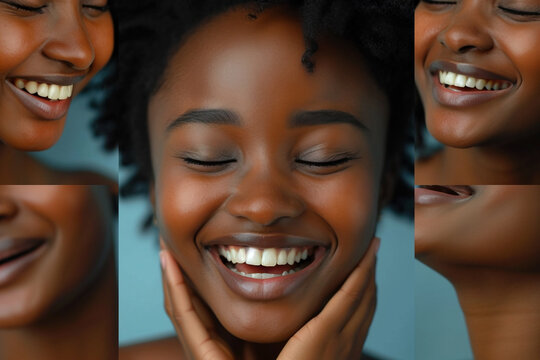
<point x="47" y="97"/>
<point x="461" y="85"/>
<point x="438" y="194"/>
<point x="265" y="267"/>
<point x="18" y="254"/>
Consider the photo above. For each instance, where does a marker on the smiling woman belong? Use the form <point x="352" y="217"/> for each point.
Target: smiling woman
<point x="477" y="69"/>
<point x="263" y="139"/>
<point x="57" y="273"/>
<point x="49" y="51"/>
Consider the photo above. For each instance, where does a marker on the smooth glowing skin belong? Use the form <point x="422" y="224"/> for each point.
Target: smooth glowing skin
<point x="69" y="38"/>
<point x="487" y="246"/>
<point x="499" y="135"/>
<point x="230" y="63"/>
<point x="67" y="287"/>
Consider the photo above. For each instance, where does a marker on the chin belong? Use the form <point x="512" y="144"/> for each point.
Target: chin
<point x="259" y="325"/>
<point x="35" y="139"/>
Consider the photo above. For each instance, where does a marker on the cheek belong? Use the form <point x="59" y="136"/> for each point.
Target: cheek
<point x="183" y="204"/>
<point x="348" y="205"/>
<point x="102" y="37"/>
<point x="17" y="41"/>
<point x="426" y="29"/>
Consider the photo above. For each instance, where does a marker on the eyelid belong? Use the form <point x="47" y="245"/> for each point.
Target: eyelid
<point x="22" y="7"/>
<point x="519" y="12"/>
<point x="208" y="163"/>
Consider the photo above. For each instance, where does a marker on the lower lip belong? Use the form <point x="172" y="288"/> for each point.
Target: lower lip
<point x="13" y="268"/>
<point x="267" y="289"/>
<point x="456" y="98"/>
<point x="423" y="196"/>
<point x="41" y="107"/>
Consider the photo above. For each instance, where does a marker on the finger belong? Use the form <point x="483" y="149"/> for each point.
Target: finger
<point x="182" y="312"/>
<point x="338" y="310"/>
<point x="362" y="315"/>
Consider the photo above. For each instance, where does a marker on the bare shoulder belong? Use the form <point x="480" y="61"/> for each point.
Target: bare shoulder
<point x="163" y="349"/>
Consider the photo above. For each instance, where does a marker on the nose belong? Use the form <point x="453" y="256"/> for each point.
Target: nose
<point x="8" y="208"/>
<point x="70" y="43"/>
<point x="467" y="31"/>
<point x="264" y="200"/>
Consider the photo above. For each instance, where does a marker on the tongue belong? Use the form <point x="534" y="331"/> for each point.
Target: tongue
<point x="252" y="269"/>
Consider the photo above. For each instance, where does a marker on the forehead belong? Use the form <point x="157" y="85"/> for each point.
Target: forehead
<point x="254" y="66"/>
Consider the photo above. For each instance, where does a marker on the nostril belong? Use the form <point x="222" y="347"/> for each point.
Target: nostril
<point x="8" y="209"/>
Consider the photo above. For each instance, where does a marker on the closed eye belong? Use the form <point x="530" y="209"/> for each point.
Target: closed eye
<point x="519" y="12"/>
<point x="324" y="163"/>
<point x="207" y="163"/>
<point x="24" y="8"/>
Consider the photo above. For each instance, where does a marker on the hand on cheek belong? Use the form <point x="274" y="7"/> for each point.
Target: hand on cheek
<point x="337" y="332"/>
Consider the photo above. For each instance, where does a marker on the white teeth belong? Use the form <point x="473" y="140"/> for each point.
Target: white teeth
<point x="459" y="80"/>
<point x="449" y="78"/>
<point x="54" y="92"/>
<point x="282" y="257"/>
<point x="480" y="83"/>
<point x="263" y="275"/>
<point x="471" y="82"/>
<point x="49" y="91"/>
<point x="265" y="257"/>
<point x="269" y="257"/>
<point x="43" y="90"/>
<point x="253" y="256"/>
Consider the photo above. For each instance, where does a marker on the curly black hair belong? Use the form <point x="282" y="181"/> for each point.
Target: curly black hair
<point x="150" y="32"/>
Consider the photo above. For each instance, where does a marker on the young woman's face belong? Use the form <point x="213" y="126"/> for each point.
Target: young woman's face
<point x="470" y="46"/>
<point x="254" y="156"/>
<point x="53" y="242"/>
<point x="493" y="225"/>
<point x="49" y="50"/>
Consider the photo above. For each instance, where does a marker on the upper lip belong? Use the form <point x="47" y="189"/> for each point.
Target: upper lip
<point x="467" y="69"/>
<point x="265" y="241"/>
<point x="52" y="79"/>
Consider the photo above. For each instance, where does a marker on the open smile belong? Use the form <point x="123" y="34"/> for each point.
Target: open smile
<point x="460" y="85"/>
<point x="46" y="97"/>
<point x="266" y="272"/>
<point x="18" y="254"/>
<point x="438" y="194"/>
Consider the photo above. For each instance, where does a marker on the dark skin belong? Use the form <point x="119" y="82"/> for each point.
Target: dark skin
<point x="487" y="141"/>
<point x="261" y="168"/>
<point x="69" y="287"/>
<point x="487" y="245"/>
<point x="61" y="43"/>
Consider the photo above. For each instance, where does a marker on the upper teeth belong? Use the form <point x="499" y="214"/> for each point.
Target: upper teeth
<point x="50" y="91"/>
<point x="264" y="257"/>
<point x="460" y="80"/>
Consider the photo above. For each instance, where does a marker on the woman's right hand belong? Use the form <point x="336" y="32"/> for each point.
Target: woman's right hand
<point x="337" y="332"/>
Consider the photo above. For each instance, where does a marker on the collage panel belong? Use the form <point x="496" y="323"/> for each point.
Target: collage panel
<point x="56" y="58"/>
<point x="265" y="141"/>
<point x="58" y="287"/>
<point x="477" y="72"/>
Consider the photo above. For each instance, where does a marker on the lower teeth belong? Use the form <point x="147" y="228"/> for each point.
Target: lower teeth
<point x="262" y="275"/>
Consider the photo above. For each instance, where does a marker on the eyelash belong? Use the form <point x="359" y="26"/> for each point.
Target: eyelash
<point x="39" y="10"/>
<point x="519" y="12"/>
<point x="324" y="163"/>
<point x="20" y="7"/>
<point x="299" y="161"/>
<point x="439" y="2"/>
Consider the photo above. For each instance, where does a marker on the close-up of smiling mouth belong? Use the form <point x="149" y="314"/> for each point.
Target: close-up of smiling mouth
<point x="439" y="194"/>
<point x="17" y="254"/>
<point x="457" y="84"/>
<point x="46" y="97"/>
<point x="271" y="267"/>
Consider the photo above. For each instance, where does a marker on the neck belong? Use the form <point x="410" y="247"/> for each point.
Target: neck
<point x="493" y="164"/>
<point x="17" y="167"/>
<point x="502" y="312"/>
<point x="86" y="329"/>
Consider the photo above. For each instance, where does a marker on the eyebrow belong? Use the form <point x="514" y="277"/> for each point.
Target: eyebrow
<point x="301" y="118"/>
<point x="321" y="117"/>
<point x="205" y="116"/>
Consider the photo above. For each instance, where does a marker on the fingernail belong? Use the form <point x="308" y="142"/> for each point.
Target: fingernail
<point x="162" y="259"/>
